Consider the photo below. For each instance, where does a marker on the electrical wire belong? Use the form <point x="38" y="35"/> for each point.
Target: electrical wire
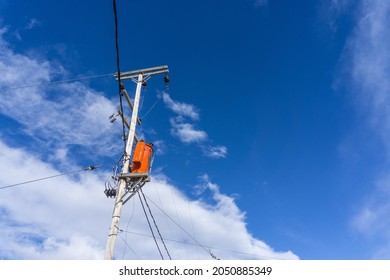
<point x="127" y="227"/>
<point x="119" y="72"/>
<point x="151" y="108"/>
<point x="155" y="224"/>
<point x="150" y="227"/>
<point x="211" y="247"/>
<point x="196" y="241"/>
<point x="57" y="82"/>
<point x="127" y="244"/>
<point x="165" y="217"/>
<point x="92" y="167"/>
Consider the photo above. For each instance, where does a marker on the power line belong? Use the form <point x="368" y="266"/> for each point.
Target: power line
<point x="208" y="251"/>
<point x="118" y="69"/>
<point x="151" y="108"/>
<point x="127" y="245"/>
<point x="150" y="227"/>
<point x="57" y="82"/>
<point x="211" y="247"/>
<point x="155" y="224"/>
<point x="92" y="167"/>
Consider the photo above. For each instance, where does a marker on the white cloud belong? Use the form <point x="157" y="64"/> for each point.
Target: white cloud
<point x="186" y="132"/>
<point x="182" y="109"/>
<point x="215" y="152"/>
<point x="333" y="10"/>
<point x="32" y="23"/>
<point x="261" y="3"/>
<point x="160" y="148"/>
<point x="366" y="63"/>
<point x="68" y="218"/>
<point x="70" y="114"/>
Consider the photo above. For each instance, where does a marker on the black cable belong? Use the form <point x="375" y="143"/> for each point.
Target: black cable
<point x="119" y="72"/>
<point x="155" y="224"/>
<point x="208" y="251"/>
<point x="92" y="167"/>
<point x="150" y="227"/>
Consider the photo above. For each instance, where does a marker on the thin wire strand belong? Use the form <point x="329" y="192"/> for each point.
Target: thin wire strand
<point x="150" y="227"/>
<point x="155" y="224"/>
<point x="211" y="247"/>
<point x="165" y="217"/>
<point x="127" y="244"/>
<point x="196" y="241"/>
<point x="151" y="108"/>
<point x="127" y="227"/>
<point x="49" y="177"/>
<point x="57" y="82"/>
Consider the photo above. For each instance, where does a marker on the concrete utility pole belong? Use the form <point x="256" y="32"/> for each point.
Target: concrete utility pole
<point x="129" y="183"/>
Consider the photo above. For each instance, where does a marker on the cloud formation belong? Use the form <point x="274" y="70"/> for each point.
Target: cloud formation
<point x="186" y="132"/>
<point x="261" y="3"/>
<point x="365" y="67"/>
<point x="215" y="151"/>
<point x="180" y="108"/>
<point x="70" y="114"/>
<point x="68" y="218"/>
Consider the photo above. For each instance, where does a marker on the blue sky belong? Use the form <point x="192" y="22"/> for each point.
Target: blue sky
<point x="271" y="140"/>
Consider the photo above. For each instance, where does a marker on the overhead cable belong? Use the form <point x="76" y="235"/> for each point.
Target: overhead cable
<point x="57" y="82"/>
<point x="211" y="247"/>
<point x="89" y="168"/>
<point x="150" y="227"/>
<point x="118" y="68"/>
<point x="155" y="224"/>
<point x="193" y="238"/>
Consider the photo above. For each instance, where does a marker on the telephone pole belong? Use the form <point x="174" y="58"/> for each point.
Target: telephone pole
<point x="129" y="183"/>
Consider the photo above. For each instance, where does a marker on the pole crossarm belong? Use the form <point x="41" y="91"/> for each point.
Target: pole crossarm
<point x="146" y="72"/>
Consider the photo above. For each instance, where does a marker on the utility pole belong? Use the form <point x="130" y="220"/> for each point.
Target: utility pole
<point x="129" y="183"/>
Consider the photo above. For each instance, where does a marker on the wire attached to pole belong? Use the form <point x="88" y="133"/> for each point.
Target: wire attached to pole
<point x="89" y="168"/>
<point x="196" y="241"/>
<point x="150" y="227"/>
<point x="155" y="224"/>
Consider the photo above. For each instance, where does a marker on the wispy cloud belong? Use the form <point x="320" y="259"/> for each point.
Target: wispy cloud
<point x="186" y="132"/>
<point x="333" y="10"/>
<point x="32" y="23"/>
<point x="261" y="3"/>
<point x="69" y="114"/>
<point x="180" y="108"/>
<point x="215" y="151"/>
<point x="365" y="68"/>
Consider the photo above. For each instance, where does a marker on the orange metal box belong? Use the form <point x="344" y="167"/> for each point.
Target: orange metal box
<point x="142" y="158"/>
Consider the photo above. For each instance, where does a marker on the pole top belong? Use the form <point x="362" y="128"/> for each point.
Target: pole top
<point x="145" y="72"/>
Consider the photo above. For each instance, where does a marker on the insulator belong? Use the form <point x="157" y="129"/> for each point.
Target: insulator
<point x="110" y="193"/>
<point x="166" y="79"/>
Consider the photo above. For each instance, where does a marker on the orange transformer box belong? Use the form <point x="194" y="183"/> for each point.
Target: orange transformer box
<point x="142" y="158"/>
